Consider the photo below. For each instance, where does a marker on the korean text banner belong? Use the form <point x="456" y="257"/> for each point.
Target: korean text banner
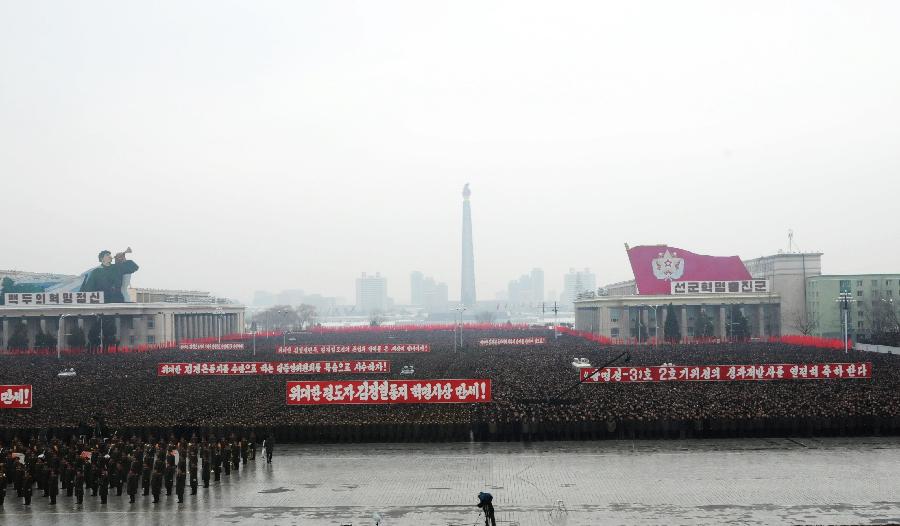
<point x="389" y="392"/>
<point x="728" y="373"/>
<point x="533" y="340"/>
<point x="15" y="396"/>
<point x="354" y="349"/>
<point x="211" y="346"/>
<point x="255" y="368"/>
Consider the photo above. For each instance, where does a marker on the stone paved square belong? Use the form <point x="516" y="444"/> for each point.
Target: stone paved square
<point x="746" y="481"/>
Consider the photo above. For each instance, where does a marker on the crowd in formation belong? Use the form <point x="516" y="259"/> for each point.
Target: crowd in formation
<point x="106" y="467"/>
<point x="531" y="384"/>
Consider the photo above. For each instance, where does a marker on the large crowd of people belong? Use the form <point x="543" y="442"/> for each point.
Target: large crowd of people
<point x="113" y="467"/>
<point x="533" y="389"/>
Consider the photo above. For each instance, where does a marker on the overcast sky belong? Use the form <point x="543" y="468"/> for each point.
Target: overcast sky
<point x="273" y="145"/>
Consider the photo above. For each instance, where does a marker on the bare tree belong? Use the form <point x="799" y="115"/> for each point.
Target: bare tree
<point x="884" y="322"/>
<point x="804" y="323"/>
<point x="307" y="315"/>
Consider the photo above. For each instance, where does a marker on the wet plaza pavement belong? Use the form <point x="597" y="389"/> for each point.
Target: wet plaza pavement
<point x="746" y="481"/>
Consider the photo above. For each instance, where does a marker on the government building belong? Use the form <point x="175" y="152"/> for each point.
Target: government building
<point x="151" y="317"/>
<point x="769" y="292"/>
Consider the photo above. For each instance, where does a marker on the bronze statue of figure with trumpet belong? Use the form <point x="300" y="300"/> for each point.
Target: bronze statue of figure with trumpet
<point x="109" y="276"/>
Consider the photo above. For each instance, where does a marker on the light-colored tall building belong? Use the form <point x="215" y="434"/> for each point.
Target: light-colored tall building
<point x="527" y="292"/>
<point x="416" y="290"/>
<point x="787" y="274"/>
<point x="576" y="282"/>
<point x="875" y="304"/>
<point x="371" y="292"/>
<point x="537" y="285"/>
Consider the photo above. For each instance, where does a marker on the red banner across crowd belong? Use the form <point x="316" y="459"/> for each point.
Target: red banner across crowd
<point x="15" y="396"/>
<point x="728" y="373"/>
<point x="354" y="349"/>
<point x="213" y="346"/>
<point x="252" y="368"/>
<point x="531" y="340"/>
<point x="389" y="392"/>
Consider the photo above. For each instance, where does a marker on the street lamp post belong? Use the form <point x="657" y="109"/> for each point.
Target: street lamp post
<point x="844" y="299"/>
<point x="218" y="313"/>
<point x="460" y="310"/>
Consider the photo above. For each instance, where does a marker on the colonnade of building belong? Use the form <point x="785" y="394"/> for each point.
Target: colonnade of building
<point x="190" y="326"/>
<point x="140" y="327"/>
<point x="643" y="321"/>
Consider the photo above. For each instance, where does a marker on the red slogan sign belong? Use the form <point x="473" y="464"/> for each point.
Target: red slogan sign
<point x="534" y="340"/>
<point x="351" y="349"/>
<point x="728" y="373"/>
<point x="389" y="392"/>
<point x="211" y="346"/>
<point x="15" y="396"/>
<point x="255" y="368"/>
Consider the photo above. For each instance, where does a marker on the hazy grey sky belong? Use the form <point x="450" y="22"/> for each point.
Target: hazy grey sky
<point x="270" y="145"/>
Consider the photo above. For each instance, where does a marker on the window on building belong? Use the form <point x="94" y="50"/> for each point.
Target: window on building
<point x="151" y="323"/>
<point x="859" y="325"/>
<point x="132" y="340"/>
<point x="859" y="283"/>
<point x="888" y="282"/>
<point x="151" y="339"/>
<point x="889" y="293"/>
<point x="614" y="315"/>
<point x="861" y="314"/>
<point x="614" y="332"/>
<point x="874" y="282"/>
<point x="859" y="293"/>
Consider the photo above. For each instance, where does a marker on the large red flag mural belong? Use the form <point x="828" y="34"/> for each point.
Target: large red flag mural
<point x="655" y="267"/>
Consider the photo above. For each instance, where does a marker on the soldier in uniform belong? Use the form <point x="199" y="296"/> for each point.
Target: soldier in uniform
<point x="132" y="484"/>
<point x="205" y="456"/>
<point x="53" y="483"/>
<point x="27" y="483"/>
<point x="179" y="484"/>
<point x="192" y="472"/>
<point x="79" y="486"/>
<point x="270" y="446"/>
<point x="145" y="477"/>
<point x="156" y="485"/>
<point x="169" y="473"/>
<point x="122" y="477"/>
<point x="113" y="473"/>
<point x="104" y="486"/>
<point x="217" y="461"/>
<point x="2" y="485"/>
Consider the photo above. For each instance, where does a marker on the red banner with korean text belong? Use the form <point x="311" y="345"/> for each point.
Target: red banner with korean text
<point x="213" y="346"/>
<point x="354" y="349"/>
<point x="531" y="340"/>
<point x="15" y="396"/>
<point x="728" y="373"/>
<point x="389" y="392"/>
<point x="255" y="368"/>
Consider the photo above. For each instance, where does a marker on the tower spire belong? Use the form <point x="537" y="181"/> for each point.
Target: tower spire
<point x="467" y="292"/>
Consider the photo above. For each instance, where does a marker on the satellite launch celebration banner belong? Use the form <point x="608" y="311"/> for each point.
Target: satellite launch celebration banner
<point x="354" y="349"/>
<point x="254" y="368"/>
<point x="15" y="396"/>
<point x="728" y="373"/>
<point x="389" y="392"/>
